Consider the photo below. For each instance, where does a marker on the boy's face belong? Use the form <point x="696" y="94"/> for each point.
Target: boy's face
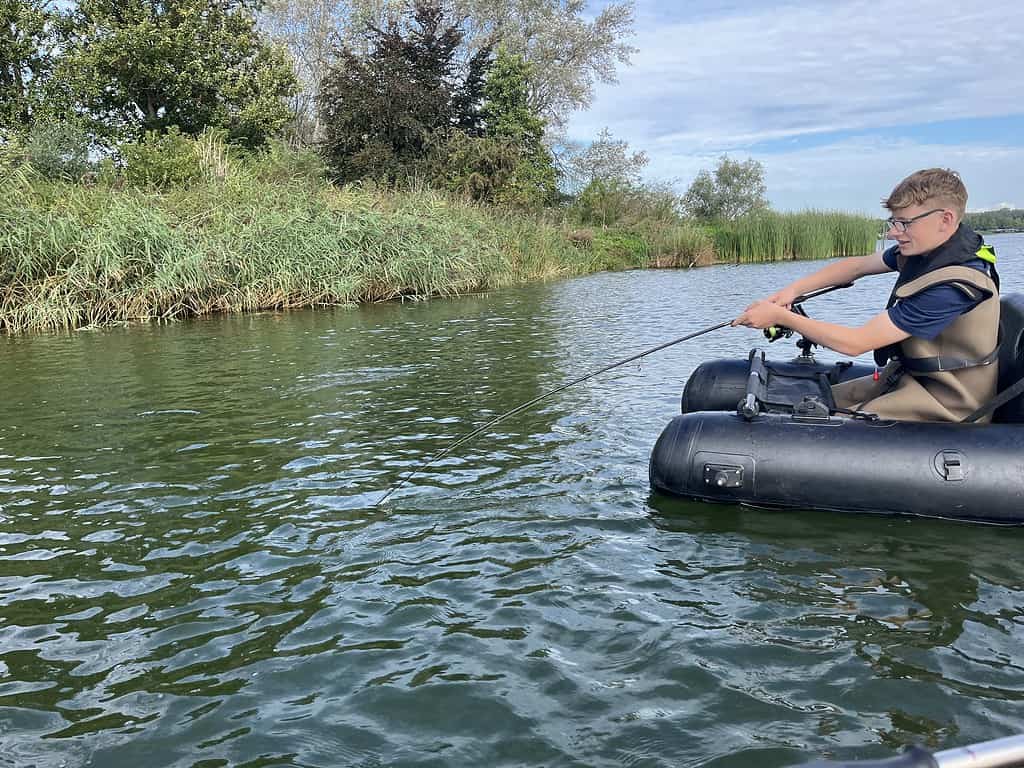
<point x="918" y="229"/>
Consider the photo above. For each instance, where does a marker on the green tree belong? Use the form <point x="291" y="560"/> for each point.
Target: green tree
<point x="736" y="189"/>
<point x="140" y="65"/>
<point x="384" y="109"/>
<point x="26" y="38"/>
<point x="999" y="219"/>
<point x="506" y="111"/>
<point x="509" y="118"/>
<point x="569" y="49"/>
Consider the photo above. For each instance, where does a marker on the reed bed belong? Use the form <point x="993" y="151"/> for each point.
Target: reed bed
<point x="74" y="255"/>
<point x="680" y="245"/>
<point x="788" y="236"/>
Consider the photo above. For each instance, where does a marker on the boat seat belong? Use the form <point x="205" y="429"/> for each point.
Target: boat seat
<point x="1011" y="356"/>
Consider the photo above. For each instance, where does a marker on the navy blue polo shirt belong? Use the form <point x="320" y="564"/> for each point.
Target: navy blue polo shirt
<point x="928" y="313"/>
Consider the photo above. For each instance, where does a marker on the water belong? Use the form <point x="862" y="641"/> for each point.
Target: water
<point x="192" y="572"/>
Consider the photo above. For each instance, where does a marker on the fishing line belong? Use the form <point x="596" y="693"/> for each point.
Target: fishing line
<point x="440" y="455"/>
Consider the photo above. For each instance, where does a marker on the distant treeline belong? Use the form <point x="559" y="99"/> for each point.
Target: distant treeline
<point x="1011" y="219"/>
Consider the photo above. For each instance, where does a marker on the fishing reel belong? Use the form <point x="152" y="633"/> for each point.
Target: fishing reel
<point x="776" y="332"/>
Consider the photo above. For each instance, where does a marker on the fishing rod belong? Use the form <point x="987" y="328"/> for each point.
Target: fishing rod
<point x="519" y="408"/>
<point x="998" y="753"/>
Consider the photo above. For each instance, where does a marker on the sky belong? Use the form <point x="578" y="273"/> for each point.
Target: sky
<point x="837" y="99"/>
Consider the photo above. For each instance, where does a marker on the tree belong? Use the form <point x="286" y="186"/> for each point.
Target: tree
<point x="508" y="117"/>
<point x="309" y="29"/>
<point x="736" y="189"/>
<point x="383" y="109"/>
<point x="26" y="36"/>
<point x="568" y="52"/>
<point x="606" y="160"/>
<point x="506" y="111"/>
<point x="1000" y="219"/>
<point x="139" y="65"/>
<point x="507" y="164"/>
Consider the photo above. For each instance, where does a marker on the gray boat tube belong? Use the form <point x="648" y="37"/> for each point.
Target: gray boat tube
<point x="966" y="472"/>
<point x="779" y="454"/>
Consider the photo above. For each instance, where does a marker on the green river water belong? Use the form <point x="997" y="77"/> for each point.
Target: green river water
<point x="193" y="571"/>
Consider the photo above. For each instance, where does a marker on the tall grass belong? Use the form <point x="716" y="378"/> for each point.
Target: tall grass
<point x="806" y="235"/>
<point x="74" y="255"/>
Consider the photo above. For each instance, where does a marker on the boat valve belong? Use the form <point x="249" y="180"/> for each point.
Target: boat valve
<point x="722" y="476"/>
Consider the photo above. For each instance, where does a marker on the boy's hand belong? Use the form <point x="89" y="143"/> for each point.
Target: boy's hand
<point x="762" y="314"/>
<point x="784" y="297"/>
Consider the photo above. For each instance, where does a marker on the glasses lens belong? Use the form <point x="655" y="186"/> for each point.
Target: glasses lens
<point x="898" y="224"/>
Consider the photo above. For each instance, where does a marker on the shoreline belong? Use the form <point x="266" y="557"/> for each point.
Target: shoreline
<point x="86" y="256"/>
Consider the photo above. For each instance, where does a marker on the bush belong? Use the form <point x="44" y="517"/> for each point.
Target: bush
<point x="162" y="160"/>
<point x="475" y="167"/>
<point x="281" y="163"/>
<point x="490" y="170"/>
<point x="58" y="150"/>
<point x="610" y="202"/>
<point x="619" y="250"/>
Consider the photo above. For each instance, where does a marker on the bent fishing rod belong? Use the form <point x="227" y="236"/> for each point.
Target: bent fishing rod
<point x="519" y="408"/>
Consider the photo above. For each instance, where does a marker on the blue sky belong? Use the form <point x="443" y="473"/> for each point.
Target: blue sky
<point x="838" y="99"/>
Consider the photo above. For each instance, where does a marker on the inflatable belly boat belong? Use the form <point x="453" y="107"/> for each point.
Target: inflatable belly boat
<point x="760" y="433"/>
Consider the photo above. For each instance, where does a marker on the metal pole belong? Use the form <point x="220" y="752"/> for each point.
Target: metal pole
<point x="998" y="753"/>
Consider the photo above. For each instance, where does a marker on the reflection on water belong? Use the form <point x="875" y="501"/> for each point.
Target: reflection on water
<point x="192" y="571"/>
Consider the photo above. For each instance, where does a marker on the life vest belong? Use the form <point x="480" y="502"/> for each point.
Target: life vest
<point x="950" y="376"/>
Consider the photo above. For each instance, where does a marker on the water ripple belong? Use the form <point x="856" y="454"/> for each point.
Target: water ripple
<point x="193" y="571"/>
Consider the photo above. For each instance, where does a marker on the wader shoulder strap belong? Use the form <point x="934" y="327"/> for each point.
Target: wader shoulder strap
<point x="961" y="277"/>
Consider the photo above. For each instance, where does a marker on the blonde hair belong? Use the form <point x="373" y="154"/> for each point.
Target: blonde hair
<point x="940" y="185"/>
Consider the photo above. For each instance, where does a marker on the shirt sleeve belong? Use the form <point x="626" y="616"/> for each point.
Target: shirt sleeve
<point x="889" y="257"/>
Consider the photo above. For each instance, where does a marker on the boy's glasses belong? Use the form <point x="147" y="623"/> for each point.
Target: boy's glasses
<point x="902" y="225"/>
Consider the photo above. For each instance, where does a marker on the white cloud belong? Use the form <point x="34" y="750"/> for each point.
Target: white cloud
<point x="702" y="84"/>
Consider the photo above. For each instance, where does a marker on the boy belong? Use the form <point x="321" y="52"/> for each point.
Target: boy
<point x="938" y="336"/>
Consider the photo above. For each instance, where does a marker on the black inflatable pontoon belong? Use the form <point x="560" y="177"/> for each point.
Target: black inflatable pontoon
<point x="756" y="432"/>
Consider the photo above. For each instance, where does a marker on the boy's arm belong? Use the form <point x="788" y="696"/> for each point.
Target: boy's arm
<point x="843" y="271"/>
<point x="879" y="331"/>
